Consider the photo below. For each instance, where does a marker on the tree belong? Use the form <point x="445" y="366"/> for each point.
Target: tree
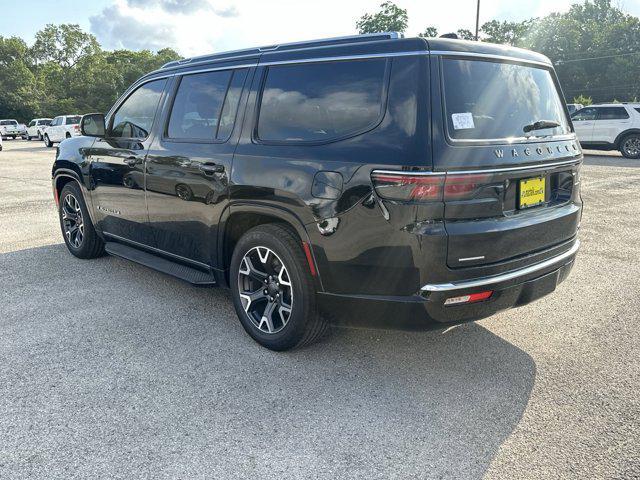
<point x="429" y="32"/>
<point x="390" y="18"/>
<point x="17" y="82"/>
<point x="64" y="44"/>
<point x="465" y="34"/>
<point x="510" y="33"/>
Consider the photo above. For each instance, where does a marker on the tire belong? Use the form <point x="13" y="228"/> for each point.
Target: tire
<point x="272" y="249"/>
<point x="27" y="138"/>
<point x="72" y="205"/>
<point x="630" y="146"/>
<point x="47" y="142"/>
<point x="68" y="135"/>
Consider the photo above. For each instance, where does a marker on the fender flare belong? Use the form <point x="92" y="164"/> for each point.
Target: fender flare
<point x="60" y="172"/>
<point x="281" y="213"/>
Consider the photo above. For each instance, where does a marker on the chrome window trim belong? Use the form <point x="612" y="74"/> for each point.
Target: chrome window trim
<point x="344" y="57"/>
<point x="540" y="166"/>
<point x="481" y="282"/>
<point x="508" y="58"/>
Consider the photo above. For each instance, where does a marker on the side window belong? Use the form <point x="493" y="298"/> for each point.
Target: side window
<point x="585" y="114"/>
<point x="321" y="101"/>
<point x="637" y="110"/>
<point x="135" y="116"/>
<point x="198" y="104"/>
<point x="32" y="123"/>
<point x="612" y="113"/>
<point x="72" y="120"/>
<point x="56" y="121"/>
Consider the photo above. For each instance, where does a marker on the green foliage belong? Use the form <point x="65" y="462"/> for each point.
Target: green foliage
<point x="582" y="100"/>
<point x="465" y="34"/>
<point x="510" y="33"/>
<point x="390" y="18"/>
<point x="429" y="32"/>
<point x="66" y="71"/>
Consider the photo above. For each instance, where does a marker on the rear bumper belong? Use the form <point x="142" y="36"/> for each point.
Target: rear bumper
<point x="426" y="310"/>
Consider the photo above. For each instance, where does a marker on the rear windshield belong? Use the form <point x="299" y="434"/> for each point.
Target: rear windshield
<point x="490" y="100"/>
<point x="72" y="120"/>
<point x="8" y="122"/>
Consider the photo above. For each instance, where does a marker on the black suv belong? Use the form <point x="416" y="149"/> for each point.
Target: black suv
<point x="369" y="180"/>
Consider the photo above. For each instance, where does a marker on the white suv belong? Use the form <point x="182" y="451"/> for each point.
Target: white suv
<point x="64" y="126"/>
<point x="614" y="126"/>
<point x="36" y="127"/>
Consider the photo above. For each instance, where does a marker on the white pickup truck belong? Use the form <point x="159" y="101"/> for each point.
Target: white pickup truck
<point x="63" y="126"/>
<point x="11" y="128"/>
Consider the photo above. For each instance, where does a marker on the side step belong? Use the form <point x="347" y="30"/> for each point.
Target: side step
<point x="183" y="272"/>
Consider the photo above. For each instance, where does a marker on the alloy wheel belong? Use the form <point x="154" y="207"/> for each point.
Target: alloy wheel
<point x="265" y="288"/>
<point x="631" y="147"/>
<point x="72" y="221"/>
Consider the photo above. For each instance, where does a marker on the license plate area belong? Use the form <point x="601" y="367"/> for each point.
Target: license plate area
<point x="532" y="192"/>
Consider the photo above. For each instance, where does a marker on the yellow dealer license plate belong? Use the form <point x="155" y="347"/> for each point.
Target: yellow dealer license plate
<point x="532" y="192"/>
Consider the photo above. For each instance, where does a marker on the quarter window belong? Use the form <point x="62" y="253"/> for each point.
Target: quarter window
<point x="205" y="105"/>
<point x="321" y="101"/>
<point x="72" y="120"/>
<point x="612" y="113"/>
<point x="135" y="116"/>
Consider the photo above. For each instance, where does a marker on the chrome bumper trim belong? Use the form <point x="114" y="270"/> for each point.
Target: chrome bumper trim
<point x="480" y="282"/>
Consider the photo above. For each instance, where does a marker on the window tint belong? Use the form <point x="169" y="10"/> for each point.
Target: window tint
<point x="44" y="122"/>
<point x="72" y="120"/>
<point x="230" y="107"/>
<point x="8" y="122"/>
<point x="612" y="113"/>
<point x="135" y="116"/>
<point x="322" y="101"/>
<point x="491" y="100"/>
<point x="637" y="110"/>
<point x="197" y="106"/>
<point x="585" y="114"/>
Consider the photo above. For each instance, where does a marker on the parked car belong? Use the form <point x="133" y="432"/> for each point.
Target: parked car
<point x="61" y="127"/>
<point x="574" y="107"/>
<point x="0" y="143"/>
<point x="11" y="128"/>
<point x="36" y="128"/>
<point x="613" y="126"/>
<point x="368" y="180"/>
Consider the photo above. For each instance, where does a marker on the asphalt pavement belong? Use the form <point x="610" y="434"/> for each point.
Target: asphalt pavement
<point x="111" y="370"/>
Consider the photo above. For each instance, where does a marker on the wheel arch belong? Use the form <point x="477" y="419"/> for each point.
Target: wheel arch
<point x="239" y="218"/>
<point x="65" y="172"/>
<point x="622" y="135"/>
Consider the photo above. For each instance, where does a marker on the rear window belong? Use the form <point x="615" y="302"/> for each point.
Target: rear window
<point x="44" y="122"/>
<point x="72" y="120"/>
<point x="8" y="122"/>
<point x="321" y="101"/>
<point x="612" y="113"/>
<point x="489" y="100"/>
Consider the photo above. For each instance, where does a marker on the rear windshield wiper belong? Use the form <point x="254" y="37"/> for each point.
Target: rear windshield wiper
<point x="540" y="125"/>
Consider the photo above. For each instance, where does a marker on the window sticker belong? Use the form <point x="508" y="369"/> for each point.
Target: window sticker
<point x="462" y="121"/>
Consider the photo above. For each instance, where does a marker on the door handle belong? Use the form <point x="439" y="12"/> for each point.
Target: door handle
<point x="131" y="161"/>
<point x="210" y="168"/>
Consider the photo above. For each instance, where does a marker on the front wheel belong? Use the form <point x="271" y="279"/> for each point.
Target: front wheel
<point x="273" y="290"/>
<point x="77" y="229"/>
<point x="47" y="142"/>
<point x="630" y="146"/>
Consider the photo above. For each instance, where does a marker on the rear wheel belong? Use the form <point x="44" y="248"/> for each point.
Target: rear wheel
<point x="68" y="135"/>
<point x="78" y="232"/>
<point x="47" y="142"/>
<point x="630" y="146"/>
<point x="273" y="291"/>
<point x="40" y="136"/>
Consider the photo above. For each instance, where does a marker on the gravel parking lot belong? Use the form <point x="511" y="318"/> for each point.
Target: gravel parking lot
<point x="111" y="370"/>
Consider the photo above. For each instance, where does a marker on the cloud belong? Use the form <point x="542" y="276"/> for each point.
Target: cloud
<point x="115" y="29"/>
<point x="184" y="6"/>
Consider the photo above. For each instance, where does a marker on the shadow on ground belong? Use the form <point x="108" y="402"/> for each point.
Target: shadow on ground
<point x="108" y="369"/>
<point x="597" y="160"/>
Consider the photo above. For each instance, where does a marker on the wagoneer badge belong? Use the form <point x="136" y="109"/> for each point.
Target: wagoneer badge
<point x="540" y="151"/>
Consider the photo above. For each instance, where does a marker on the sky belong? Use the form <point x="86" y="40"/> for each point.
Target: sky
<point x="196" y="27"/>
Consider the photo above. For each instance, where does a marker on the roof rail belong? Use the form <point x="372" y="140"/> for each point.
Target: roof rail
<point x="367" y="37"/>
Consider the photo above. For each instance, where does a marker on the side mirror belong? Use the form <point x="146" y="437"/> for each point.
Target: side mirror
<point x="92" y="125"/>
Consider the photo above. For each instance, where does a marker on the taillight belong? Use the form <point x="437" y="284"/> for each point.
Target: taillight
<point x="76" y="128"/>
<point x="465" y="186"/>
<point x="407" y="186"/>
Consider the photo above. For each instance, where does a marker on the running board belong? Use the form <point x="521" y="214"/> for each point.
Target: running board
<point x="183" y="272"/>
